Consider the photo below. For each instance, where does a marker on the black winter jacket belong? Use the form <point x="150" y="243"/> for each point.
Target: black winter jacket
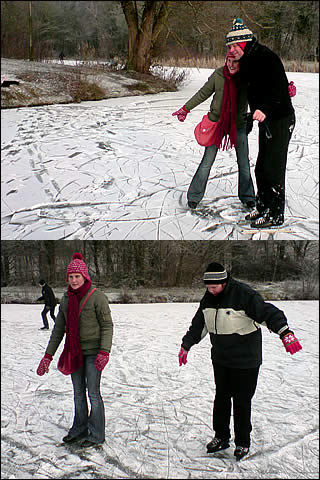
<point x="233" y="319"/>
<point x="48" y="296"/>
<point x="267" y="81"/>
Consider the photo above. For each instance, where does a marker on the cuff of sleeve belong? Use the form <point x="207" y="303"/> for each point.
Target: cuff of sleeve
<point x="104" y="353"/>
<point x="282" y="329"/>
<point x="285" y="332"/>
<point x="47" y="355"/>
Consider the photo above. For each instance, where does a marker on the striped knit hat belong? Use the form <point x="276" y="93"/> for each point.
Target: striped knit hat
<point x="77" y="265"/>
<point x="238" y="33"/>
<point x="215" y="274"/>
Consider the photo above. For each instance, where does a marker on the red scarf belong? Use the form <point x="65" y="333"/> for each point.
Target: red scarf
<point x="227" y="128"/>
<point x="71" y="358"/>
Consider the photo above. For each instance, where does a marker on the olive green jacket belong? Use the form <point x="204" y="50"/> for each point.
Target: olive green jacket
<point x="215" y="84"/>
<point x="95" y="325"/>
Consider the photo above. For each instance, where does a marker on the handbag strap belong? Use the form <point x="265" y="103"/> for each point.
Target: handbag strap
<point x="87" y="298"/>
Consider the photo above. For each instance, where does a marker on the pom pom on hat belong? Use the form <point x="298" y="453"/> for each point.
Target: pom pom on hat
<point x="238" y="33"/>
<point x="77" y="265"/>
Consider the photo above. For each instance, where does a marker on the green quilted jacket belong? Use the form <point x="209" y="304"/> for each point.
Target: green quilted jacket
<point x="95" y="325"/>
<point x="215" y="85"/>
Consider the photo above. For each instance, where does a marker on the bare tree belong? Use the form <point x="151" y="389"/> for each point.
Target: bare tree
<point x="143" y="31"/>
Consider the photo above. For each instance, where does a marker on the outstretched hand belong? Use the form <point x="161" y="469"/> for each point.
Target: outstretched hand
<point x="291" y="343"/>
<point x="181" y="114"/>
<point x="292" y="89"/>
<point x="182" y="356"/>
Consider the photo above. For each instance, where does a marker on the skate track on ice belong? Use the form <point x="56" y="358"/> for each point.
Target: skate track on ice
<point x="158" y="415"/>
<point x="120" y="168"/>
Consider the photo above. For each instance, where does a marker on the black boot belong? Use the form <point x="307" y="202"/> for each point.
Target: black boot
<point x="192" y="205"/>
<point x="240" y="452"/>
<point x="217" y="444"/>
<point x="267" y="221"/>
<point x="70" y="439"/>
<point x="253" y="215"/>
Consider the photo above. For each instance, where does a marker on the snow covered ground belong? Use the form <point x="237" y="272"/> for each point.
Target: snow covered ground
<point x="120" y="169"/>
<point x="158" y="415"/>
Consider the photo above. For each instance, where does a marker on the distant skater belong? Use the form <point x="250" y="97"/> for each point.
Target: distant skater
<point x="61" y="57"/>
<point x="232" y="313"/>
<point x="50" y="303"/>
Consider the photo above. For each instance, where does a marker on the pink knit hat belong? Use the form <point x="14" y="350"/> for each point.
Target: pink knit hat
<point x="77" y="265"/>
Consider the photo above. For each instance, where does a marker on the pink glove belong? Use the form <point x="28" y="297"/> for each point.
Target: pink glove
<point x="181" y="114"/>
<point x="292" y="89"/>
<point x="101" y="360"/>
<point x="182" y="356"/>
<point x="44" y="364"/>
<point x="291" y="343"/>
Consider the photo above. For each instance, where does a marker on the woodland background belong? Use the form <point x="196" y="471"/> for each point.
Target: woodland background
<point x="151" y="264"/>
<point x="142" y="33"/>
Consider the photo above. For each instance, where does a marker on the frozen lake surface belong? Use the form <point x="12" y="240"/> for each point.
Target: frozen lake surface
<point x="158" y="415"/>
<point x="120" y="169"/>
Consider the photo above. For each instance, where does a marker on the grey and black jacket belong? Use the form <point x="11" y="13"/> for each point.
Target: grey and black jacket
<point x="233" y="320"/>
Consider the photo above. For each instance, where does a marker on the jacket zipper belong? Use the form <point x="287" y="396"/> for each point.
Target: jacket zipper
<point x="215" y="321"/>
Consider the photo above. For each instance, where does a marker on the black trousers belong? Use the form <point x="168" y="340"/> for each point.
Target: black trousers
<point x="238" y="385"/>
<point x="44" y="312"/>
<point x="270" y="170"/>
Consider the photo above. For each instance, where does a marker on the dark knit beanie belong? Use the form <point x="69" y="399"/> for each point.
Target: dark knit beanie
<point x="238" y="33"/>
<point x="42" y="282"/>
<point x="215" y="274"/>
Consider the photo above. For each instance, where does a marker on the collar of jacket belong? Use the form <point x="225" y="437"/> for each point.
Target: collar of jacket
<point x="227" y="287"/>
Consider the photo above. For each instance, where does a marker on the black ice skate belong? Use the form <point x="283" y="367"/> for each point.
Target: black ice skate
<point x="253" y="215"/>
<point x="240" y="452"/>
<point x="217" y="444"/>
<point x="267" y="221"/>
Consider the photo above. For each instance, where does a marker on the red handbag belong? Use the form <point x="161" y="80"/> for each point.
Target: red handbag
<point x="205" y="131"/>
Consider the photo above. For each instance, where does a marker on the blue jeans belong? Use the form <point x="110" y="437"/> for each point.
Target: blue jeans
<point x="245" y="186"/>
<point x="88" y="377"/>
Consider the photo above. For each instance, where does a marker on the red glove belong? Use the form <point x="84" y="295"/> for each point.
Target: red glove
<point x="101" y="360"/>
<point x="182" y="356"/>
<point x="292" y="89"/>
<point x="181" y="114"/>
<point x="291" y="343"/>
<point x="44" y="364"/>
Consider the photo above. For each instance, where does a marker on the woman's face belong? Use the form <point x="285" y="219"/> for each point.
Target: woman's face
<point x="76" y="280"/>
<point x="233" y="65"/>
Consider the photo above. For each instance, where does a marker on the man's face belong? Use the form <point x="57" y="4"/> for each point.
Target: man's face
<point x="215" y="289"/>
<point x="76" y="280"/>
<point x="233" y="65"/>
<point x="236" y="51"/>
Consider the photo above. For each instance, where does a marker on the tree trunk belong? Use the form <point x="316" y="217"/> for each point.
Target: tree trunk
<point x="141" y="38"/>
